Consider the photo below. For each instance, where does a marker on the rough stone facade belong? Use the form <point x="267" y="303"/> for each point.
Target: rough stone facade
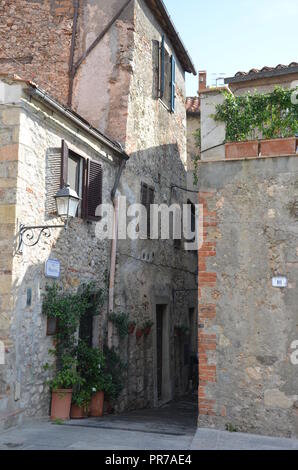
<point x="35" y="37"/>
<point x="114" y="88"/>
<point x="32" y="134"/>
<point x="247" y="379"/>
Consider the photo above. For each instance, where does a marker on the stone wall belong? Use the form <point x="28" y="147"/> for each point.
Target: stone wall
<point x="153" y="272"/>
<point x="82" y="256"/>
<point x="35" y="38"/>
<point x="247" y="379"/>
<point x="9" y="134"/>
<point x="101" y="86"/>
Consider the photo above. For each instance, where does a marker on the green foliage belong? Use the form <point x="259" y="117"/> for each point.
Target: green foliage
<point x="82" y="397"/>
<point x="271" y="115"/>
<point x="67" y="376"/>
<point x="91" y="367"/>
<point x="231" y="428"/>
<point x="148" y="324"/>
<point x="68" y="308"/>
<point x="114" y="368"/>
<point x="196" y="158"/>
<point x="121" y="321"/>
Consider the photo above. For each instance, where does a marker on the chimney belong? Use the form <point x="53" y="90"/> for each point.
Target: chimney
<point x="202" y="80"/>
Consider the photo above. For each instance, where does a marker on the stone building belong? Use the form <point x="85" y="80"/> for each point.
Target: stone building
<point x="34" y="130"/>
<point x="247" y="319"/>
<point x="121" y="66"/>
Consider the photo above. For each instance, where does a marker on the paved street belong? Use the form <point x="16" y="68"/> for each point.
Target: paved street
<point x="171" y="427"/>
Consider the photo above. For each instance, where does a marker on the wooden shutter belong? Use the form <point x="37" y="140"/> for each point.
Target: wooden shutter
<point x="173" y="83"/>
<point x="168" y="80"/>
<point x="53" y="181"/>
<point x="93" y="189"/>
<point x="162" y="67"/>
<point x="147" y="198"/>
<point x="64" y="164"/>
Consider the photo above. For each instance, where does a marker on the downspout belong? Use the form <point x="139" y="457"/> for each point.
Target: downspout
<point x="115" y="201"/>
<point x="72" y="51"/>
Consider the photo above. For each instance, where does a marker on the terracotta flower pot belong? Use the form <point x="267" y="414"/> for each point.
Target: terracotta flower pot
<point x="61" y="403"/>
<point x="278" y="147"/>
<point x="78" y="412"/>
<point x="96" y="405"/>
<point x="131" y="328"/>
<point x="139" y="333"/>
<point x="242" y="149"/>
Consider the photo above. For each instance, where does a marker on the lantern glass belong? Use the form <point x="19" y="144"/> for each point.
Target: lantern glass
<point x="62" y="206"/>
<point x="67" y="202"/>
<point x="73" y="206"/>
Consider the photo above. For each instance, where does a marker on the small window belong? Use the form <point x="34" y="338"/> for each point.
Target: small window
<point x="147" y="198"/>
<point x="83" y="175"/>
<point x="167" y="77"/>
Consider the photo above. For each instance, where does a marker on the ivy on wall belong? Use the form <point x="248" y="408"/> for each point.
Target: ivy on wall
<point x="259" y="115"/>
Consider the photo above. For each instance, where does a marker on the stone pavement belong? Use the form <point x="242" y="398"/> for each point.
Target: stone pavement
<point x="171" y="427"/>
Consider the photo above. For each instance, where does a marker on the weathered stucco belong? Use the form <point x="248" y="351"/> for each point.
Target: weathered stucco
<point x="247" y="379"/>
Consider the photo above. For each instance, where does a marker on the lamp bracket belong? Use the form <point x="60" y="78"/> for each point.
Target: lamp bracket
<point x="31" y="235"/>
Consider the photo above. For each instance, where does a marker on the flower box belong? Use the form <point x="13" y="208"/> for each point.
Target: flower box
<point x="279" y="147"/>
<point x="242" y="149"/>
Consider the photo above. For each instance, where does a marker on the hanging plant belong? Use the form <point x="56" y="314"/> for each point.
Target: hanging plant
<point x="122" y="323"/>
<point x="147" y="327"/>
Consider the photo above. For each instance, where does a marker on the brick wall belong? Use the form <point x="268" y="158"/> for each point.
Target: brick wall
<point x="35" y="38"/>
<point x="207" y="306"/>
<point x="247" y="379"/>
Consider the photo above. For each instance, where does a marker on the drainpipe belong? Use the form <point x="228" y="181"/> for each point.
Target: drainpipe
<point x="115" y="201"/>
<point x="72" y="51"/>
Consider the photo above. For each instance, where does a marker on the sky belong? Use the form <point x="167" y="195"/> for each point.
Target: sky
<point x="225" y="36"/>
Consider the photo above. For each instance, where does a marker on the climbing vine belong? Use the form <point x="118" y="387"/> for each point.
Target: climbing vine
<point x="251" y="116"/>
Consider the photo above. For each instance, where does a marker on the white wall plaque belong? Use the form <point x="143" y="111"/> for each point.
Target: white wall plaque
<point x="52" y="268"/>
<point x="280" y="281"/>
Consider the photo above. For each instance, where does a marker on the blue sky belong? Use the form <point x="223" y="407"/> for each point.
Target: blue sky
<point x="224" y="36"/>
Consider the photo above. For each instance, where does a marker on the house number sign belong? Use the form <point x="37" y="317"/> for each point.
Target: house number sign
<point x="280" y="281"/>
<point x="52" y="268"/>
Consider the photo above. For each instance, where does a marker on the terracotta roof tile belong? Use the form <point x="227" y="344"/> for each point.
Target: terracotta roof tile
<point x="255" y="72"/>
<point x="193" y="105"/>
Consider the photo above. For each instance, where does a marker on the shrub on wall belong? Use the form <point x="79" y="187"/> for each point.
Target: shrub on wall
<point x="250" y="116"/>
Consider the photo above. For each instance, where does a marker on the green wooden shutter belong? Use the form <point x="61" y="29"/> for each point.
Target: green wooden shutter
<point x="173" y="83"/>
<point x="162" y="67"/>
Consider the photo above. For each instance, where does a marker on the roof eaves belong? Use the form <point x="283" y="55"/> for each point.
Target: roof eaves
<point x="265" y="72"/>
<point x="162" y="13"/>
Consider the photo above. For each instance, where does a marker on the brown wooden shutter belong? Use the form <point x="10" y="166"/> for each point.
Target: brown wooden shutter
<point x="64" y="164"/>
<point x="53" y="180"/>
<point x="147" y="198"/>
<point x="93" y="189"/>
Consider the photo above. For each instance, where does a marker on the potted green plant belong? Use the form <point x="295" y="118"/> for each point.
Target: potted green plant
<point x="80" y="403"/>
<point x="122" y="323"/>
<point x="147" y="327"/>
<point x="61" y="387"/>
<point x="91" y="364"/>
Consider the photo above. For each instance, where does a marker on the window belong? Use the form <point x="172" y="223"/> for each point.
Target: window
<point x="83" y="175"/>
<point x="167" y="77"/>
<point x="86" y="327"/>
<point x="147" y="198"/>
